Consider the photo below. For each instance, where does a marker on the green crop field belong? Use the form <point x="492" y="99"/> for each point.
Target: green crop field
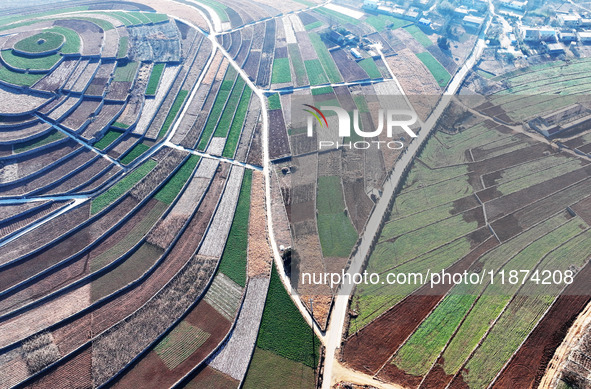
<point x="325" y="58"/>
<point x="380" y="22"/>
<point x="287" y="374"/>
<point x="154" y="79"/>
<point x="237" y="123"/>
<point x="219" y="9"/>
<point x="120" y="125"/>
<point x="134" y="153"/>
<point x="297" y="62"/>
<point x="335" y="230"/>
<point x="125" y="184"/>
<point x="314" y="25"/>
<point x="129" y="270"/>
<point x="132" y="237"/>
<point x="370" y="67"/>
<point x="227" y="116"/>
<point x="218" y="107"/>
<point x="52" y="136"/>
<point x="39" y="43"/>
<point x="390" y="252"/>
<point x="419" y="35"/>
<point x="174" y="110"/>
<point x="155" y="17"/>
<point x="274" y="101"/>
<point x="283" y="329"/>
<point x="421" y="350"/>
<point x="16" y="78"/>
<point x="441" y="75"/>
<point x="281" y="71"/>
<point x="180" y="343"/>
<point x="233" y="262"/>
<point x="437" y="333"/>
<point x="315" y="72"/>
<point x="73" y="42"/>
<point x="122" y="50"/>
<point x="19" y="61"/>
<point x="109" y="137"/>
<point x="126" y="72"/>
<point x="172" y="188"/>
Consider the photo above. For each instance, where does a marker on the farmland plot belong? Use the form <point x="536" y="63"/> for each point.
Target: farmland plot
<point x="152" y="105"/>
<point x="213" y="243"/>
<point x="234" y="357"/>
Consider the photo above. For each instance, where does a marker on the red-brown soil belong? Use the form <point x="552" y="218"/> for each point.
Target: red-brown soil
<point x="528" y="365"/>
<point x="151" y="372"/>
<point x="43" y="259"/>
<point x="368" y="349"/>
<point x="583" y="209"/>
<point x="75" y="373"/>
<point x="41" y="236"/>
<point x="77" y="268"/>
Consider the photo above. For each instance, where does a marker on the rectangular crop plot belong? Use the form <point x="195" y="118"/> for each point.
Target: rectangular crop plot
<point x="281" y="71"/>
<point x="325" y="58"/>
<point x="336" y="232"/>
<point x="437" y="70"/>
<point x="315" y="72"/>
<point x="180" y="343"/>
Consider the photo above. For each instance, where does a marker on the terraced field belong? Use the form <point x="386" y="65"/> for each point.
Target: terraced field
<point x="463" y="207"/>
<point x="119" y="237"/>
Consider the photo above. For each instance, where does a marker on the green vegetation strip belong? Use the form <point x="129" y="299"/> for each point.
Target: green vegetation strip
<point x="281" y="71"/>
<point x="297" y="62"/>
<point x="336" y="232"/>
<point x="122" y="51"/>
<point x="315" y="72"/>
<point x="370" y="67"/>
<point x="237" y="124"/>
<point x="107" y="139"/>
<point x="34" y="143"/>
<point x="121" y="125"/>
<point x="154" y="79"/>
<point x="7" y="20"/>
<point x="380" y="22"/>
<point x="126" y="72"/>
<point x="274" y="101"/>
<point x="419" y="35"/>
<point x="125" y="184"/>
<point x="217" y="109"/>
<point x="227" y="117"/>
<point x="155" y="17"/>
<point x="133" y="237"/>
<point x="440" y="73"/>
<point x="40" y="43"/>
<point x="233" y="262"/>
<point x="180" y="343"/>
<point x="325" y="58"/>
<point x="16" y="78"/>
<point x="286" y="374"/>
<point x="172" y="188"/>
<point x="176" y="106"/>
<point x="313" y="25"/>
<point x="134" y="153"/>
<point x="19" y="61"/>
<point x="73" y="42"/>
<point x="283" y="330"/>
